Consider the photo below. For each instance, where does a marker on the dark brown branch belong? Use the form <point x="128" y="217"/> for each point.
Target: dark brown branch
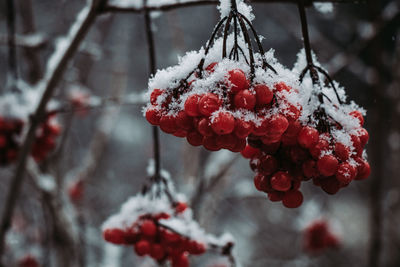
<point x="51" y="80"/>
<point x="12" y="51"/>
<point x="115" y="8"/>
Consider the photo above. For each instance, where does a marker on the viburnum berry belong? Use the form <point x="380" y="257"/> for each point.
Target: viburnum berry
<point x="264" y="95"/>
<point x="319" y="147"/>
<point x="204" y="127"/>
<point x="345" y="173"/>
<point x="210" y="143"/>
<point x="342" y="151"/>
<point x="245" y="99"/>
<point x="281" y="86"/>
<point x="275" y="196"/>
<point x="238" y="81"/>
<point x="292" y="199"/>
<point x="243" y="128"/>
<point x="154" y="96"/>
<point x="194" y="138"/>
<point x="76" y="190"/>
<point x="281" y="181"/>
<point x="153" y="116"/>
<point x="149" y="228"/>
<point x="142" y="248"/>
<point x="180" y="207"/>
<point x="157" y="252"/>
<point x="363" y="169"/>
<point x="249" y="152"/>
<point x="184" y="121"/>
<point x="223" y="123"/>
<point x="211" y="67"/>
<point x="192" y="105"/>
<point x="268" y="165"/>
<point x="330" y="185"/>
<point x="308" y="137"/>
<point x="209" y="103"/>
<point x="327" y="165"/>
<point x="357" y="114"/>
<point x="114" y="235"/>
<point x="277" y="124"/>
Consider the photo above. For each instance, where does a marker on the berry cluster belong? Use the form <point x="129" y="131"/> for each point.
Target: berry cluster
<point x="45" y="139"/>
<point x="151" y="235"/>
<point x="224" y="114"/>
<point x="11" y="130"/>
<point x="301" y="153"/>
<point x="318" y="237"/>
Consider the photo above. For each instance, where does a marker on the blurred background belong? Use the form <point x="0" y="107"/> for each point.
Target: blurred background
<point x="110" y="146"/>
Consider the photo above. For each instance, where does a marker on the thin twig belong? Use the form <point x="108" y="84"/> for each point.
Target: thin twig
<point x="53" y="76"/>
<point x="12" y="51"/>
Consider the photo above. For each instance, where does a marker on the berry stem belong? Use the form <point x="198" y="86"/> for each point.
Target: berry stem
<point x="152" y="66"/>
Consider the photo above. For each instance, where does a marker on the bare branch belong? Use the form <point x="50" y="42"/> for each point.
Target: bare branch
<point x="55" y="69"/>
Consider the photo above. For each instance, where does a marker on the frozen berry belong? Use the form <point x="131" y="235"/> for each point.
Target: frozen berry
<point x="223" y="123"/>
<point x="245" y="99"/>
<point x="192" y="105"/>
<point x="238" y="80"/>
<point x="327" y="165"/>
<point x="142" y="247"/>
<point x="292" y="199"/>
<point x="209" y="103"/>
<point x="264" y="95"/>
<point x="149" y="228"/>
<point x="281" y="181"/>
<point x="308" y="137"/>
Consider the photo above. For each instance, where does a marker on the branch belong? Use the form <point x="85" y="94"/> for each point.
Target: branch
<point x="116" y="6"/>
<point x="55" y="69"/>
<point x="12" y="51"/>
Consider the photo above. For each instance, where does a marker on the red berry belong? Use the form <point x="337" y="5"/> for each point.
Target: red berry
<point x="264" y="95"/>
<point x="204" y="127"/>
<point x="330" y="185"/>
<point x="261" y="128"/>
<point x="192" y="105"/>
<point x="292" y="199"/>
<point x="363" y="169"/>
<point x="157" y="252"/>
<point x="76" y="190"/>
<point x="309" y="168"/>
<point x="268" y="164"/>
<point x="194" y="138"/>
<point x="223" y="123"/>
<point x="153" y="116"/>
<point x="275" y="196"/>
<point x="28" y="261"/>
<point x="211" y="67"/>
<point x="357" y="114"/>
<point x="261" y="183"/>
<point x="281" y="86"/>
<point x="308" y="137"/>
<point x="243" y="128"/>
<point x="321" y="146"/>
<point x="238" y="80"/>
<point x="209" y="103"/>
<point x="148" y="228"/>
<point x="154" y="96"/>
<point x="363" y="135"/>
<point x="357" y="145"/>
<point x="168" y="124"/>
<point x="210" y="143"/>
<point x="196" y="248"/>
<point x="142" y="247"/>
<point x="114" y="235"/>
<point x="281" y="181"/>
<point x="345" y="173"/>
<point x="249" y="152"/>
<point x="184" y="121"/>
<point x="277" y="125"/>
<point x="327" y="165"/>
<point x="245" y="99"/>
<point x="342" y="151"/>
<point x="180" y="207"/>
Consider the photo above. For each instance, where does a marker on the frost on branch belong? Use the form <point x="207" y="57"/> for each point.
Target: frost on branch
<point x="158" y="223"/>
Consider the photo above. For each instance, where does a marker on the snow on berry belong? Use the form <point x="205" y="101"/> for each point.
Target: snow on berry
<point x="159" y="224"/>
<point x="221" y="104"/>
<point x="325" y="142"/>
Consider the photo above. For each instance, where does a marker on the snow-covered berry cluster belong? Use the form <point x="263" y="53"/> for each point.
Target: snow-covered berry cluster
<point x="150" y="237"/>
<point x="326" y="144"/>
<point x="220" y="106"/>
<point x="318" y="236"/>
<point x="159" y="224"/>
